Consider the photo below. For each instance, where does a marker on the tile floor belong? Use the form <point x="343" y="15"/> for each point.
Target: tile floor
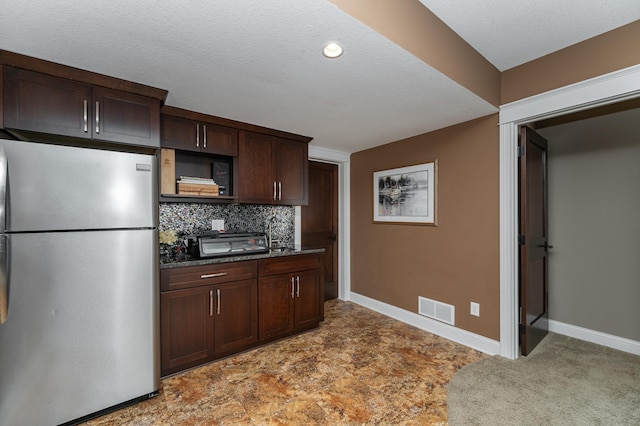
<point x="358" y="368"/>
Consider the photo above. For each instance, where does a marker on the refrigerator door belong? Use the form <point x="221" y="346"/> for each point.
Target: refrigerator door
<point x="82" y="331"/>
<point x="51" y="187"/>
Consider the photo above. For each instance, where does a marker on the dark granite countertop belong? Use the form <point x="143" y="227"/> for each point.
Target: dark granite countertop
<point x="189" y="261"/>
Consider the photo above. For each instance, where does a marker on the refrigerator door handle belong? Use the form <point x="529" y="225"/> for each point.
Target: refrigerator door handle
<point x="4" y="279"/>
<point x="4" y="291"/>
<point x="3" y="190"/>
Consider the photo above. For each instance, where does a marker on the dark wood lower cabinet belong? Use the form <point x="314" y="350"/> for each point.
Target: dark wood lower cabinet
<point x="309" y="301"/>
<point x="276" y="306"/>
<point x="211" y="311"/>
<point x="187" y="328"/>
<point x="236" y="316"/>
<point x="293" y="301"/>
<point x="207" y="312"/>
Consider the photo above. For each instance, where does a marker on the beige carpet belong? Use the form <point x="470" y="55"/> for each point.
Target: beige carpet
<point x="564" y="381"/>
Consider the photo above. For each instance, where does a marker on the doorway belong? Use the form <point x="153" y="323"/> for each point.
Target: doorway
<point x="319" y="221"/>
<point x="533" y="239"/>
<point x="615" y="87"/>
<point x="594" y="169"/>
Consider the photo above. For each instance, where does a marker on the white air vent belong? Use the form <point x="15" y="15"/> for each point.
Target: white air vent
<point x="436" y="310"/>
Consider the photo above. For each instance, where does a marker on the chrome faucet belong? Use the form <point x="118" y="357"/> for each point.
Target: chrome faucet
<point x="269" y="223"/>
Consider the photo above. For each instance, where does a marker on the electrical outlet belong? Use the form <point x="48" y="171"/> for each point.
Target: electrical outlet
<point x="475" y="309"/>
<point x="217" y="225"/>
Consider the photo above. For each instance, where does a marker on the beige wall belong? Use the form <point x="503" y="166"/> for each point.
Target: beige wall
<point x="456" y="262"/>
<point x="612" y="51"/>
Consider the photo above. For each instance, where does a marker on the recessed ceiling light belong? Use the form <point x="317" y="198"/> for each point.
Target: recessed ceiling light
<point x="332" y="50"/>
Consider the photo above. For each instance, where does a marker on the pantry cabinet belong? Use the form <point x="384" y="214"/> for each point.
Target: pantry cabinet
<point x="46" y="104"/>
<point x="272" y="170"/>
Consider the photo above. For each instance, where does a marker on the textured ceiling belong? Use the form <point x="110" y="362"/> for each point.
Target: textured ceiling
<point x="260" y="61"/>
<point x="509" y="33"/>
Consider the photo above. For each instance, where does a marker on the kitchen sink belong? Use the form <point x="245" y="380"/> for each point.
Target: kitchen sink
<point x="281" y="249"/>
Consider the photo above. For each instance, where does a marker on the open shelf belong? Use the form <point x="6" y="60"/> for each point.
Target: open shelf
<point x="181" y="198"/>
<point x="176" y="163"/>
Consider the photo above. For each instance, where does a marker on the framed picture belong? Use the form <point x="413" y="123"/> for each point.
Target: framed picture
<point x="406" y="194"/>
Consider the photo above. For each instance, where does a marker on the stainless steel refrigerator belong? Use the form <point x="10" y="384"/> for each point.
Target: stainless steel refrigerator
<point x="78" y="281"/>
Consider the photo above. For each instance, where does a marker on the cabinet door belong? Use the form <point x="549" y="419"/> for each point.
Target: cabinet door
<point x="275" y="306"/>
<point x="186" y="318"/>
<point x="42" y="103"/>
<point x="127" y="118"/>
<point x="292" y="173"/>
<point x="309" y="298"/>
<point x="180" y="133"/>
<point x="236" y="315"/>
<point x="256" y="168"/>
<point x="219" y="140"/>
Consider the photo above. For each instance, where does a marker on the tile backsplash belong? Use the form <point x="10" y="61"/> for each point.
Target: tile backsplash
<point x="187" y="219"/>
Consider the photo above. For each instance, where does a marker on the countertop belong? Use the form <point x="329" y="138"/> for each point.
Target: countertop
<point x="188" y="261"/>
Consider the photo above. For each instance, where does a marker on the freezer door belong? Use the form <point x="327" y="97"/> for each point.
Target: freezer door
<point x="82" y="331"/>
<point x="51" y="187"/>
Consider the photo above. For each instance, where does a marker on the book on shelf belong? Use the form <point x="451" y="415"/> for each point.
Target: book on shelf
<point x="196" y="180"/>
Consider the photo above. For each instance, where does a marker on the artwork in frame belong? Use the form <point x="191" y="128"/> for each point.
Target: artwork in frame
<point x="406" y="194"/>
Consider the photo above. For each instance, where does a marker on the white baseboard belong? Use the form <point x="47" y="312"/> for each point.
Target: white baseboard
<point x="597" y="337"/>
<point x="472" y="340"/>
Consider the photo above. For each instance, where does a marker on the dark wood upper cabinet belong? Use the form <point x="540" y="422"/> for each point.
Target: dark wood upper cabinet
<point x="45" y="104"/>
<point x="198" y="136"/>
<point x="272" y="170"/>
<point x="292" y="171"/>
<point x="256" y="168"/>
<point x="42" y="103"/>
<point x="126" y="118"/>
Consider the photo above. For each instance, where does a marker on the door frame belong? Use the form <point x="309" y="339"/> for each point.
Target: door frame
<point x="602" y="90"/>
<point x="342" y="160"/>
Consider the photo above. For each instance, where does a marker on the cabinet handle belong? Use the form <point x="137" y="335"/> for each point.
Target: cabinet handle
<point x="198" y="135"/>
<point x="274" y="190"/>
<point x="218" y="274"/>
<point x="292" y="287"/>
<point x="86" y="116"/>
<point x="279" y="190"/>
<point x="210" y="303"/>
<point x="97" y="117"/>
<point x="297" y="286"/>
<point x="204" y="134"/>
<point x="218" y="296"/>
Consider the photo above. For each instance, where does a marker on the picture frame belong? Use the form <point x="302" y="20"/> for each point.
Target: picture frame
<point x="406" y="194"/>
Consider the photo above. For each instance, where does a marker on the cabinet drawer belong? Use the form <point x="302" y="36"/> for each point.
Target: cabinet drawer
<point x="287" y="264"/>
<point x="194" y="276"/>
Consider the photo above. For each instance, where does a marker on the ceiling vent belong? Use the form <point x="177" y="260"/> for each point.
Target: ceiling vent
<point x="436" y="310"/>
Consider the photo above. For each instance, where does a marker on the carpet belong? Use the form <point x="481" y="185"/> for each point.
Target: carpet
<point x="564" y="381"/>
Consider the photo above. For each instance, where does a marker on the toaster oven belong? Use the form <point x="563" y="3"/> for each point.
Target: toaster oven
<point x="215" y="244"/>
